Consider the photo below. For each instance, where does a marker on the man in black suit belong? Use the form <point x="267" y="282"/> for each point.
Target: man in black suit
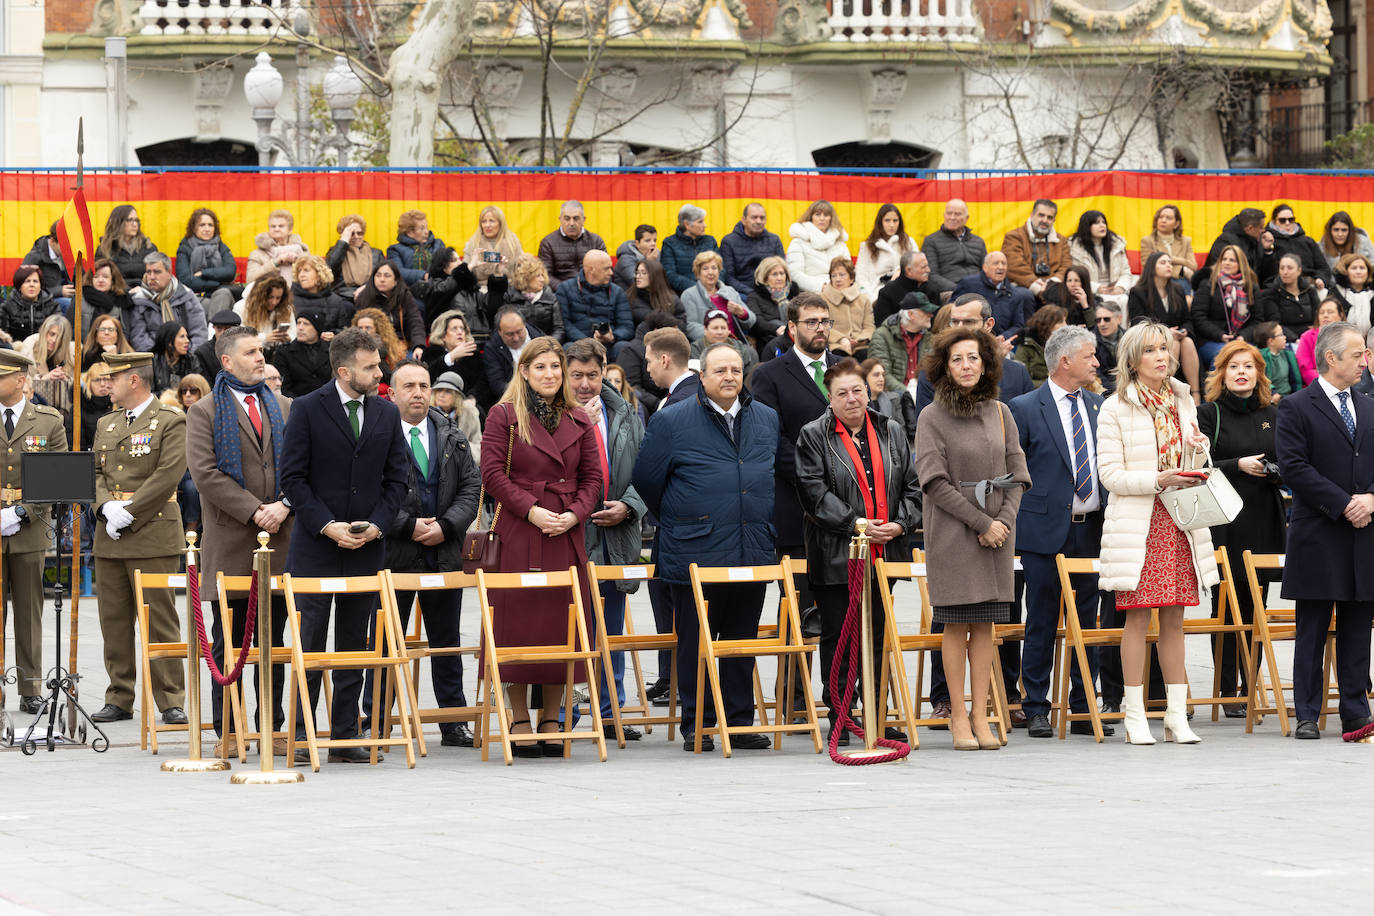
<point x="344" y="473"/>
<point x="502" y="351"/>
<point x="792" y="385"/>
<point x="1325" y="445"/>
<point x="914" y="278"/>
<point x="973" y="311"/>
<point x="427" y="534"/>
<point x="666" y="353"/>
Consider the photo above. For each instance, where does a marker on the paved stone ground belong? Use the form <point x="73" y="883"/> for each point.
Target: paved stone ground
<point x="1233" y="824"/>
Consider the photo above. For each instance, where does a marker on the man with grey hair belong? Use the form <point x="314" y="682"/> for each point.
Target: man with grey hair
<point x="162" y="298"/>
<point x="563" y="249"/>
<point x="1109" y="331"/>
<point x="915" y="278"/>
<point x="744" y="249"/>
<point x="682" y="247"/>
<point x="1061" y="513"/>
<point x="1324" y="440"/>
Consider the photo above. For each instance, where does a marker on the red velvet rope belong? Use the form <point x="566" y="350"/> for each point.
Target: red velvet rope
<point x="850" y="639"/>
<point x="223" y="680"/>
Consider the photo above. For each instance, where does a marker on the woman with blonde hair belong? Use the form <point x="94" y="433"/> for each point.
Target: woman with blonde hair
<point x="54" y="362"/>
<point x="352" y="259"/>
<point x="712" y="292"/>
<point x="1166" y="235"/>
<point x="540" y="463"/>
<point x="532" y="296"/>
<point x="850" y="309"/>
<point x="1147" y="442"/>
<point x="376" y="323"/>
<point x="817" y="240"/>
<point x="493" y="243"/>
<point x="1227" y="306"/>
<point x="312" y="289"/>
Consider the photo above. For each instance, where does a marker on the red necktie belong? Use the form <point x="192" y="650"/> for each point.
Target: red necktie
<point x="253" y="414"/>
<point x="605" y="468"/>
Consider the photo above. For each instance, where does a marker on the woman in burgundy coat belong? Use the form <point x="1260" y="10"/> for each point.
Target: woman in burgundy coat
<point x="554" y="483"/>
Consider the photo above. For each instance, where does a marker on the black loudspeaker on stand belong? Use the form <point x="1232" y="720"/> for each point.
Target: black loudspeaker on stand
<point x="60" y="480"/>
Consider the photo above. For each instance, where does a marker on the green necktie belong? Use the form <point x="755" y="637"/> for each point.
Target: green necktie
<point x="421" y="459"/>
<point x="818" y="370"/>
<point x="353" y="417"/>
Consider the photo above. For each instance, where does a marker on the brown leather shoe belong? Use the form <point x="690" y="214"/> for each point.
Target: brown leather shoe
<point x="278" y="747"/>
<point x="1018" y="719"/>
<point x="219" y="748"/>
<point x="941" y="710"/>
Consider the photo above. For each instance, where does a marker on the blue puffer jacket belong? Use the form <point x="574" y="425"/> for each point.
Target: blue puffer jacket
<point x="713" y="496"/>
<point x="678" y="252"/>
<point x="584" y="305"/>
<point x="413" y="258"/>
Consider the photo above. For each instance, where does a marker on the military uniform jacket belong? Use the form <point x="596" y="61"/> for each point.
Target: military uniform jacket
<point x="38" y="429"/>
<point x="143" y="463"/>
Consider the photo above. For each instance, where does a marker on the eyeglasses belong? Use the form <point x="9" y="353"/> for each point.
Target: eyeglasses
<point x="1283" y="220"/>
<point x="1104" y="321"/>
<point x="816" y="324"/>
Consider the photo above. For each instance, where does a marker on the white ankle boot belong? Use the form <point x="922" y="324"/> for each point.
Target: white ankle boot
<point x="1137" y="726"/>
<point x="1176" y="715"/>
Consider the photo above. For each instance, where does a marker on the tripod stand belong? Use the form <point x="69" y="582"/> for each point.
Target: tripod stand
<point x="61" y="683"/>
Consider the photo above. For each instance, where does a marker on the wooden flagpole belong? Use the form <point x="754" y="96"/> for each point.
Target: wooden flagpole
<point x="78" y="280"/>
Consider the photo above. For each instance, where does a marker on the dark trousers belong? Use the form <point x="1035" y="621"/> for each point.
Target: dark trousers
<point x="441" y="610"/>
<point x="805" y="598"/>
<point x="1009" y="654"/>
<point x="733" y="612"/>
<point x="1229" y="662"/>
<point x="351" y="613"/>
<point x="833" y="602"/>
<point x="661" y="600"/>
<point x="238" y="608"/>
<point x="1353" y="620"/>
<point x="1043" y="596"/>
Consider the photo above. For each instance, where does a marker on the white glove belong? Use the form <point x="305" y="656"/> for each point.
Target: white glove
<point x="9" y="522"/>
<point x="112" y="530"/>
<point x="117" y="515"/>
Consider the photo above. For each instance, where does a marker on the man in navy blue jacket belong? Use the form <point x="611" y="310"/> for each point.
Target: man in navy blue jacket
<point x="706" y="470"/>
<point x="593" y="306"/>
<point x="344" y="466"/>
<point x="1012" y="305"/>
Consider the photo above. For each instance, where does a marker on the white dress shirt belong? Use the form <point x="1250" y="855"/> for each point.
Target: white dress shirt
<point x="731" y="415"/>
<point x="345" y="397"/>
<point x="137" y="411"/>
<point x="679" y="380"/>
<point x="423" y="427"/>
<point x="1065" y="408"/>
<point x="17" y="408"/>
<point x="1331" y="392"/>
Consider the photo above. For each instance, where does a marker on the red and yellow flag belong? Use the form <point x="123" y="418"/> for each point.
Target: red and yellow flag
<point x="74" y="232"/>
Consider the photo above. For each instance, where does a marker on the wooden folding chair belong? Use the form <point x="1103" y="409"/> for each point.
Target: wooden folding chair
<point x="633" y="643"/>
<point x="576" y="650"/>
<point x="893" y="683"/>
<point x="786" y="644"/>
<point x="233" y="708"/>
<point x="417" y="648"/>
<point x="1226" y="619"/>
<point x="149" y="652"/>
<point x="785" y="673"/>
<point x="1076" y="644"/>
<point x="386" y="656"/>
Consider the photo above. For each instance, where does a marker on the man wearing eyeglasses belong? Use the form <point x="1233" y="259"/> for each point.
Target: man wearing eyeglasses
<point x="793" y="385"/>
<point x="1109" y="333"/>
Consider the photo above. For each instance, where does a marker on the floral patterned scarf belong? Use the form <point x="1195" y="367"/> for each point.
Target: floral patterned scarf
<point x="1168" y="430"/>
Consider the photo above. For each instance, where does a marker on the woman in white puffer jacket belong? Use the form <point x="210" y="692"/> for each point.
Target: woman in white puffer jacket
<point x="817" y="239"/>
<point x="880" y="254"/>
<point x="1147" y="434"/>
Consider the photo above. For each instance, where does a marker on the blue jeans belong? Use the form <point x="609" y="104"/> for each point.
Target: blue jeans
<point x="1207" y="352"/>
<point x="614" y="601"/>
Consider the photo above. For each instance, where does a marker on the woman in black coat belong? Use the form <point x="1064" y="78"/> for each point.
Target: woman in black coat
<point x="304" y="362"/>
<point x="171" y="356"/>
<point x="387" y="292"/>
<point x="1239" y="419"/>
<point x="650" y="292"/>
<point x="27" y="305"/>
<point x="773" y="288"/>
<point x="1074" y="294"/>
<point x="1289" y="238"/>
<point x="1291" y="299"/>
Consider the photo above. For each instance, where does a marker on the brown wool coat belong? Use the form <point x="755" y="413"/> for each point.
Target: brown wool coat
<point x="950" y="449"/>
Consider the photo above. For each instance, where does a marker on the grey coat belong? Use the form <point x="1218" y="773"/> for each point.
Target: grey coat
<point x="625" y="433"/>
<point x="952" y="258"/>
<point x="951" y="450"/>
<point x="146" y="316"/>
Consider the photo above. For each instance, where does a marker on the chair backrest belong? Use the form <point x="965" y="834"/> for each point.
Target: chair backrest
<point x="597" y="574"/>
<point x="553" y="578"/>
<point x="1253" y="563"/>
<point x="239" y="585"/>
<point x="715" y="575"/>
<point x="781" y="573"/>
<point x="144" y="580"/>
<point x="332" y="585"/>
<point x="423" y="582"/>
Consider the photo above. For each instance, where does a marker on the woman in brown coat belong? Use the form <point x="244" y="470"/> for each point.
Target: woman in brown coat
<point x="553" y="484"/>
<point x="972" y="469"/>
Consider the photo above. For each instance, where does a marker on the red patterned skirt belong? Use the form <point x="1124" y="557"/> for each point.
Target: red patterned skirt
<point x="1168" y="578"/>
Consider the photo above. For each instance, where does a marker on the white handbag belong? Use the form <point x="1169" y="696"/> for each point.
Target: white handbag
<point x="1214" y="503"/>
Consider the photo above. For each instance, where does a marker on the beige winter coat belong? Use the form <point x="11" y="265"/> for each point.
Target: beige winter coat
<point x="852" y="313"/>
<point x="1117" y="272"/>
<point x="1128" y="461"/>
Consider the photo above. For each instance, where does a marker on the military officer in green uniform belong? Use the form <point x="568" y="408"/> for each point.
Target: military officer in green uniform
<point x="25" y="529"/>
<point x="140" y="454"/>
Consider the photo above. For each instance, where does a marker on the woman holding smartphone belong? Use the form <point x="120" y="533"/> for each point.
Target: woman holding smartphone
<point x="1147" y="442"/>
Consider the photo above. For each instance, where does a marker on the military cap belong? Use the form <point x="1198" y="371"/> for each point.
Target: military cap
<point x="119" y="362"/>
<point x="12" y="361"/>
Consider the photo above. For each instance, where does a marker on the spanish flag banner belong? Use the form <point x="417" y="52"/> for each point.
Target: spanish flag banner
<point x="74" y="232"/>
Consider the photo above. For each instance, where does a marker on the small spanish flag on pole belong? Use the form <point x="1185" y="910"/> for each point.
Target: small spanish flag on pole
<point x="74" y="232"/>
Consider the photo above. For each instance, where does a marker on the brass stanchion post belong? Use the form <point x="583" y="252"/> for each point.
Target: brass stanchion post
<point x="266" y="775"/>
<point x="193" y="763"/>
<point x="859" y="549"/>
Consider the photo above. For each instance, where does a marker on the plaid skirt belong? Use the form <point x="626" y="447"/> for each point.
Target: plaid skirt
<point x="982" y="612"/>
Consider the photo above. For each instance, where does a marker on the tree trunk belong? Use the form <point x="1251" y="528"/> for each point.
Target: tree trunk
<point x="416" y="73"/>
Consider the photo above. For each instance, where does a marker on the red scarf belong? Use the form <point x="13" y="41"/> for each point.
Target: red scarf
<point x="878" y="512"/>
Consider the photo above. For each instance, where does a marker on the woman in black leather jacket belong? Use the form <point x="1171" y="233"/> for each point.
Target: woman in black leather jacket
<point x="839" y="479"/>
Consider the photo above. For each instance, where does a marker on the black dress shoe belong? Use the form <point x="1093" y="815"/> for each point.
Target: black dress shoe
<point x="302" y="754"/>
<point x="1307" y="730"/>
<point x="657" y="694"/>
<point x="111" y="713"/>
<point x="751" y="742"/>
<point x="894" y="734"/>
<point x="708" y="743"/>
<point x="844" y="735"/>
<point x="631" y="733"/>
<point x="1086" y="728"/>
<point x="174" y="716"/>
<point x="458" y="736"/>
<point x="1233" y="710"/>
<point x="1358" y="729"/>
<point x="30" y="705"/>
<point x="351" y="755"/>
<point x="1039" y="727"/>
<point x="1110" y="707"/>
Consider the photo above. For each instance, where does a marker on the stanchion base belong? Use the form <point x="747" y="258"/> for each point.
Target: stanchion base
<point x="265" y="778"/>
<point x="214" y="765"/>
<point x="867" y="754"/>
